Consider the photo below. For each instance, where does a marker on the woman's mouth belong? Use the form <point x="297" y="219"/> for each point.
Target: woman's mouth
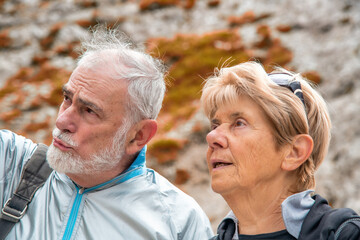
<point x="220" y="164"/>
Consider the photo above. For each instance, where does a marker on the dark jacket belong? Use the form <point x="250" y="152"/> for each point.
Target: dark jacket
<point x="321" y="223"/>
<point x="326" y="223"/>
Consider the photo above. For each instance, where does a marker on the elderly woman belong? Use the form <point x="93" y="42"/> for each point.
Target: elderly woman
<point x="269" y="134"/>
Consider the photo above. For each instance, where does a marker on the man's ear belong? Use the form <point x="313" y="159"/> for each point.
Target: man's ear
<point x="299" y="151"/>
<point x="140" y="134"/>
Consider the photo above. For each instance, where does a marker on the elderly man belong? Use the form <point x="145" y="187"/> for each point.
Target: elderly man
<point x="100" y="187"/>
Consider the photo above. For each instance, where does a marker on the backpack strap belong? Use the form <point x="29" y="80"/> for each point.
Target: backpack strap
<point x="34" y="175"/>
<point x="351" y="225"/>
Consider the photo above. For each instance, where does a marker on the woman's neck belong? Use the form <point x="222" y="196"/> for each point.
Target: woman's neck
<point x="258" y="210"/>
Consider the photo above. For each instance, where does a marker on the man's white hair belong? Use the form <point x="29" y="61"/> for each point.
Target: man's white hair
<point x="143" y="73"/>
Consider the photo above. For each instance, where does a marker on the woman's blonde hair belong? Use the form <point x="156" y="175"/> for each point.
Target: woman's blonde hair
<point x="284" y="109"/>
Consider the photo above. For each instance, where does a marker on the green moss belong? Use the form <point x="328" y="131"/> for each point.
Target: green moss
<point x="7" y="90"/>
<point x="164" y="145"/>
<point x="165" y="150"/>
<point x="193" y="58"/>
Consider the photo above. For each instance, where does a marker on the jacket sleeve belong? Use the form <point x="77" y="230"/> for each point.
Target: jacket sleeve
<point x="15" y="151"/>
<point x="349" y="230"/>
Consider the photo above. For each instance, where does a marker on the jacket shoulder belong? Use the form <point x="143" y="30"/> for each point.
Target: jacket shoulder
<point x="349" y="230"/>
<point x="323" y="221"/>
<point x="188" y="217"/>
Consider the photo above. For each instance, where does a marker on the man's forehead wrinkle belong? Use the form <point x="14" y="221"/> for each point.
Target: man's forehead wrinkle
<point x="80" y="98"/>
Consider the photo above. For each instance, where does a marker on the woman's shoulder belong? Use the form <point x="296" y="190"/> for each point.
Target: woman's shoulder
<point x="325" y="222"/>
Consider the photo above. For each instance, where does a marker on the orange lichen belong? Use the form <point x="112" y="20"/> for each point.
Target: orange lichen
<point x="213" y="3"/>
<point x="11" y="115"/>
<point x="278" y="55"/>
<point x="39" y="59"/>
<point x="87" y="3"/>
<point x="5" y="40"/>
<point x="58" y="78"/>
<point x="47" y="42"/>
<point x="46" y="72"/>
<point x="16" y="81"/>
<point x="97" y="19"/>
<point x="19" y="99"/>
<point x="189" y="4"/>
<point x="181" y="176"/>
<point x="156" y="4"/>
<point x="34" y="127"/>
<point x="68" y="49"/>
<point x="265" y="33"/>
<point x="247" y="17"/>
<point x="284" y="28"/>
<point x="313" y="76"/>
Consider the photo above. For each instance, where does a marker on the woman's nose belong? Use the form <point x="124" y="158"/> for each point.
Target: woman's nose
<point x="217" y="138"/>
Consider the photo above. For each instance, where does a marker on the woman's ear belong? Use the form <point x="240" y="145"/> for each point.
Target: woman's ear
<point x="300" y="150"/>
<point x="140" y="134"/>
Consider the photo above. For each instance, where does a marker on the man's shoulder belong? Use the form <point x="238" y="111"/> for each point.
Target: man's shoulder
<point x="15" y="151"/>
<point x="12" y="140"/>
<point x="165" y="187"/>
<point x="183" y="209"/>
<point x="171" y="195"/>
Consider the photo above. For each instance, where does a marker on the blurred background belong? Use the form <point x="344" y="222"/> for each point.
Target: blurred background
<point x="319" y="38"/>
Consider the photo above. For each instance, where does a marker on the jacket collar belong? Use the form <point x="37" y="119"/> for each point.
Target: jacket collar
<point x="294" y="210"/>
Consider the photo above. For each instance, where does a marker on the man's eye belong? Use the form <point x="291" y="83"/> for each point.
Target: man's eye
<point x="213" y="127"/>
<point x="66" y="99"/>
<point x="89" y="110"/>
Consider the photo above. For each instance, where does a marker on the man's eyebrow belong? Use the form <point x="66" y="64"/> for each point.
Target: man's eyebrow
<point x="90" y="105"/>
<point x="67" y="91"/>
<point x="86" y="103"/>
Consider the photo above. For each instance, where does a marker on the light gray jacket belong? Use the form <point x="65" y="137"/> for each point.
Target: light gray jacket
<point x="138" y="204"/>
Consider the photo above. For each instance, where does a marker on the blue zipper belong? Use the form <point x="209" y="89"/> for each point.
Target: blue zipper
<point x="80" y="193"/>
<point x="136" y="168"/>
<point x="73" y="214"/>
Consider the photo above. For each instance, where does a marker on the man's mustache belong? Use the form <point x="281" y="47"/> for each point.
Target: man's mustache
<point x="65" y="137"/>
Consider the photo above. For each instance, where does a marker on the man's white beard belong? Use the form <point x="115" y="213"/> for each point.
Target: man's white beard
<point x="104" y="160"/>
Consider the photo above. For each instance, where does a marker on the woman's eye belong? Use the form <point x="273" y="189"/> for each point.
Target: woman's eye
<point x="239" y="123"/>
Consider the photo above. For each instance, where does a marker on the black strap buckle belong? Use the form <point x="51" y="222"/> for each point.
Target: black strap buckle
<point x="12" y="214"/>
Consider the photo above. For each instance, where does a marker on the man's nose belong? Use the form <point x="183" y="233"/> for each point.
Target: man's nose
<point x="67" y="120"/>
<point x="217" y="138"/>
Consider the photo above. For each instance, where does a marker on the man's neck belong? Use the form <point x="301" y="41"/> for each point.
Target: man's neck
<point x="87" y="181"/>
<point x="96" y="178"/>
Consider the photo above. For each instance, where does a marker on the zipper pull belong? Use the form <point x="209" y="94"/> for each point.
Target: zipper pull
<point x="81" y="190"/>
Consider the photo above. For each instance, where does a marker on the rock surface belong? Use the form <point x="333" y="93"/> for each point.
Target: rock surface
<point x="324" y="37"/>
